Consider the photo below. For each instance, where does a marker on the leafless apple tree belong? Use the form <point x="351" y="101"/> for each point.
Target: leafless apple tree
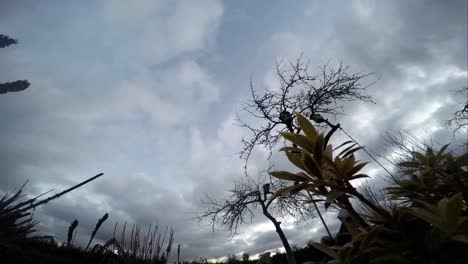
<point x="248" y="195"/>
<point x="460" y="117"/>
<point x="299" y="91"/>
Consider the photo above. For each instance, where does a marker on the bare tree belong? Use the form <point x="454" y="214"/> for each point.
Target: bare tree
<point x="460" y="117"/>
<point x="299" y="91"/>
<point x="15" y="86"/>
<point x="248" y="195"/>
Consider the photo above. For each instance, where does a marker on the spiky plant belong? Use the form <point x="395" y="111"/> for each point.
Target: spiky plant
<point x="15" y="223"/>
<point x="71" y="233"/>
<point x="96" y="228"/>
<point x="428" y="222"/>
<point x="141" y="247"/>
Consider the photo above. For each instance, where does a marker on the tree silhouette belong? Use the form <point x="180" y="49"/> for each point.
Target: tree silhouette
<point x="460" y="117"/>
<point x="246" y="196"/>
<point x="302" y="92"/>
<point x="15" y="86"/>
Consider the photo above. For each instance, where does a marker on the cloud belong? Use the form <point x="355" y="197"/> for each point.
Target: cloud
<point x="147" y="92"/>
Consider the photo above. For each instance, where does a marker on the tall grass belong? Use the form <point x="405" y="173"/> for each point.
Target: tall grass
<point x="98" y="225"/>
<point x="16" y="243"/>
<point x="140" y="246"/>
<point x="15" y="224"/>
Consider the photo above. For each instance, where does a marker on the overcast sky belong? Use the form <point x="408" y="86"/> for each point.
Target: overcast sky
<point x="147" y="91"/>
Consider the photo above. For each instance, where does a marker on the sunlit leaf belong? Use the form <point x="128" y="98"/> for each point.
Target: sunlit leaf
<point x="294" y="159"/>
<point x="300" y="140"/>
<point x="307" y="127"/>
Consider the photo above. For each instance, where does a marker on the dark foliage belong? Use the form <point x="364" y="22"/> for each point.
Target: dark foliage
<point x="15" y="86"/>
<point x="6" y="41"/>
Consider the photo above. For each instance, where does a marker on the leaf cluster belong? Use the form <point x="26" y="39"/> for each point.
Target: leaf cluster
<point x="428" y="222"/>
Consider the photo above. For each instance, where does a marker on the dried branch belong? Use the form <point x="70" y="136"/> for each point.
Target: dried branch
<point x="460" y="118"/>
<point x="244" y="198"/>
<point x="299" y="91"/>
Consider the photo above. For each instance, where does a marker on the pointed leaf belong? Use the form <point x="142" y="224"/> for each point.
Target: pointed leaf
<point x="325" y="249"/>
<point x="299" y="140"/>
<point x="351" y="151"/>
<point x="311" y="165"/>
<point x="357" y="168"/>
<point x="441" y="151"/>
<point x="332" y="196"/>
<point x="357" y="176"/>
<point x="294" y="159"/>
<point x="409" y="164"/>
<point x="462" y="160"/>
<point x="427" y="216"/>
<point x="285" y="175"/>
<point x="344" y="143"/>
<point x="306" y="126"/>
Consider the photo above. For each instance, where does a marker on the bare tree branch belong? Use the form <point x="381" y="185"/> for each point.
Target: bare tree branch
<point x="246" y="196"/>
<point x="460" y="117"/>
<point x="299" y="91"/>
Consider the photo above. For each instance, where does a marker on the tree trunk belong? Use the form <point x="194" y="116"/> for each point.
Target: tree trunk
<point x="287" y="247"/>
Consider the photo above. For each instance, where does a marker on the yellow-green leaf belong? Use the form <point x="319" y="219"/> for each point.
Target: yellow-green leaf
<point x="299" y="140"/>
<point x="325" y="249"/>
<point x="294" y="159"/>
<point x="307" y="127"/>
<point x="285" y="175"/>
<point x="332" y="196"/>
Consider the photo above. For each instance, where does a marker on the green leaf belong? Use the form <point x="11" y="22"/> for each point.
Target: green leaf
<point x="344" y="143"/>
<point x="346" y="149"/>
<point x="313" y="201"/>
<point x="311" y="165"/>
<point x="325" y="249"/>
<point x="346" y="165"/>
<point x="419" y="156"/>
<point x="288" y="176"/>
<point x="462" y="160"/>
<point x="452" y="209"/>
<point x="299" y="140"/>
<point x="441" y="151"/>
<point x="461" y="237"/>
<point x="307" y="127"/>
<point x="332" y="196"/>
<point x="357" y="168"/>
<point x="427" y="216"/>
<point x="280" y="192"/>
<point x="318" y="148"/>
<point x="409" y="164"/>
<point x="294" y="159"/>
<point x="357" y="176"/>
<point x="351" y="151"/>
<point x="291" y="149"/>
